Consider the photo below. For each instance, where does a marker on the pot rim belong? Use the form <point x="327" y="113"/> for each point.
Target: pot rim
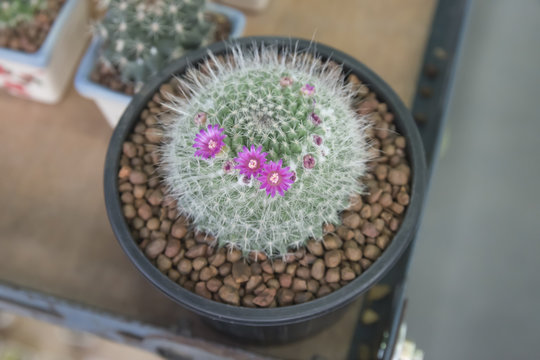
<point x="287" y="314"/>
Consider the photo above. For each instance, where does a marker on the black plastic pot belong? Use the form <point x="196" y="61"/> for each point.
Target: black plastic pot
<point x="283" y="323"/>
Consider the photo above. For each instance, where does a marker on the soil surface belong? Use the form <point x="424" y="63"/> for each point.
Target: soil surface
<point x="29" y="36"/>
<point x="110" y="76"/>
<point x="194" y="261"/>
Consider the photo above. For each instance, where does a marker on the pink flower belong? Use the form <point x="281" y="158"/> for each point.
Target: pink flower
<point x="228" y="167"/>
<point x="286" y="81"/>
<point x="317" y="140"/>
<point x="251" y="162"/>
<point x="308" y="90"/>
<point x="274" y="178"/>
<point x="315" y="119"/>
<point x="209" y="142"/>
<point x="200" y="119"/>
<point x="309" y="161"/>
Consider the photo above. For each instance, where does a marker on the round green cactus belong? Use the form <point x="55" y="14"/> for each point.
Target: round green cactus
<point x="264" y="120"/>
<point x="13" y="12"/>
<point x="141" y="36"/>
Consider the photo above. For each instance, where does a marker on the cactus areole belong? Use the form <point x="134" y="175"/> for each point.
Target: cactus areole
<point x="286" y="122"/>
<point x="280" y="125"/>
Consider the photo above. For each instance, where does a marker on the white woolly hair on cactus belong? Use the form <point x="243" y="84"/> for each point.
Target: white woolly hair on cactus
<point x="272" y="106"/>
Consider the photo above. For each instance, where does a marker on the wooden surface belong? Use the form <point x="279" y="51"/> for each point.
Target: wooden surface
<point x="55" y="236"/>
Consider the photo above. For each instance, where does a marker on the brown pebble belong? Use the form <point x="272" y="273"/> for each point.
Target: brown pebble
<point x="173" y="248"/>
<point x="324" y="290"/>
<point x="265" y="298"/>
<point x="353" y="254"/>
<point x="229" y="295"/>
<point x="347" y="274"/>
<point x="179" y="230"/>
<point x="163" y="263"/>
<point x="381" y="172"/>
<point x="153" y="224"/>
<point x="145" y="212"/>
<point x="129" y="149"/>
<point x="302" y="297"/>
<point x="382" y="241"/>
<point x="395" y="176"/>
<point x="247" y="301"/>
<point x="256" y="269"/>
<point x="369" y="230"/>
<point x="299" y="284"/>
<point x="273" y="283"/>
<point x="372" y="252"/>
<point x="365" y="213"/>
<point x="173" y="274"/>
<point x="137" y="177"/>
<point x="328" y="228"/>
<point x="196" y="251"/>
<point x="400" y="142"/>
<point x="208" y="272"/>
<point x="351" y="219"/>
<point x="267" y="267"/>
<point x="332" y="275"/>
<point x="184" y="266"/>
<point x="259" y="289"/>
<point x="253" y="282"/>
<point x="199" y="262"/>
<point x="285" y="280"/>
<point x="303" y="272"/>
<point x="332" y="242"/>
<point x="315" y="247"/>
<point x="213" y="284"/>
<point x="332" y="258"/>
<point x="279" y="266"/>
<point x="139" y="191"/>
<point x="234" y="255"/>
<point x="155" y="198"/>
<point x="241" y="272"/>
<point x="129" y="211"/>
<point x="228" y="280"/>
<point x="124" y="172"/>
<point x="385" y="200"/>
<point x="153" y="135"/>
<point x="155" y="248"/>
<point x="318" y="269"/>
<point x="397" y="208"/>
<point x="313" y="286"/>
<point x="200" y="289"/>
<point x="285" y="296"/>
<point x="225" y="269"/>
<point x="356" y="203"/>
<point x="217" y="259"/>
<point x="403" y="198"/>
<point x="374" y="195"/>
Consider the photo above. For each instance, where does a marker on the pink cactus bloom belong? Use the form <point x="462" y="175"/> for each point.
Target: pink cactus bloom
<point x="274" y="178"/>
<point x="228" y="167"/>
<point x="286" y="81"/>
<point x="200" y="119"/>
<point x="317" y="140"/>
<point x="309" y="161"/>
<point x="315" y="119"/>
<point x="251" y="162"/>
<point x="308" y="90"/>
<point x="209" y="141"/>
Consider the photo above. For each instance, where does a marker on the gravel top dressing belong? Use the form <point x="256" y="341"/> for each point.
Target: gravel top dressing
<point x="193" y="260"/>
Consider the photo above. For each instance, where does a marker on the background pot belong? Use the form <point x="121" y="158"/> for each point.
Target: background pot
<point x="282" y="323"/>
<point x="44" y="75"/>
<point x="113" y="103"/>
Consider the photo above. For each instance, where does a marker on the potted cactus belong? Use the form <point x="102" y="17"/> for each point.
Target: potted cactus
<point x="137" y="38"/>
<point x="274" y="187"/>
<point x="40" y="43"/>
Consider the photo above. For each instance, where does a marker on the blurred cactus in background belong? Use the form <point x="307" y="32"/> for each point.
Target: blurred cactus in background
<point x="13" y="12"/>
<point x="141" y="36"/>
